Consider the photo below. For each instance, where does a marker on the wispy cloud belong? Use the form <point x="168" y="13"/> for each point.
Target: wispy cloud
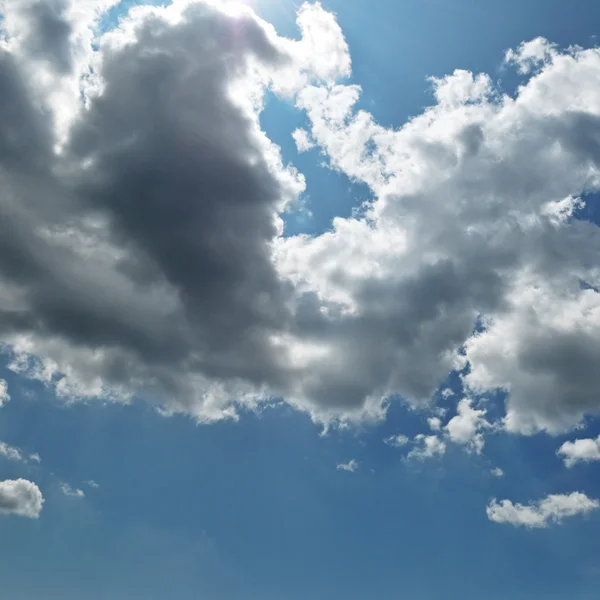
<point x="67" y="490"/>
<point x="350" y="466"/>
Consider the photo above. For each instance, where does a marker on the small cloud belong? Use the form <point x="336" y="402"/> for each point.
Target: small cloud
<point x="552" y="509"/>
<point x="91" y="483"/>
<point x="4" y="395"/>
<point x="350" y="466"/>
<point x="467" y="426"/>
<point x="303" y="140"/>
<point x="497" y="472"/>
<point x="446" y="393"/>
<point x="586" y="450"/>
<point x="67" y="490"/>
<point x="397" y="441"/>
<point x="21" y="498"/>
<point x="430" y="446"/>
<point x="435" y="423"/>
<point x="11" y="453"/>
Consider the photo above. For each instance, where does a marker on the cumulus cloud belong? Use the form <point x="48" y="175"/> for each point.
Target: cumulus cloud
<point x="435" y="423"/>
<point x="21" y="498"/>
<point x="552" y="509"/>
<point x="581" y="450"/>
<point x="473" y="225"/>
<point x="428" y="446"/>
<point x="350" y="466"/>
<point x="302" y="139"/>
<point x="141" y="246"/>
<point x="530" y="55"/>
<point x="467" y="426"/>
<point x="166" y="195"/>
<point x="497" y="472"/>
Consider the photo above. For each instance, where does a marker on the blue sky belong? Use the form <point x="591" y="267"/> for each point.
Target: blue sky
<point x="259" y="507"/>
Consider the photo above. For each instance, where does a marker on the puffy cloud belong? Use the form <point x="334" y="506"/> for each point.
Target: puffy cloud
<point x="552" y="509"/>
<point x="20" y="497"/>
<point x="497" y="472"/>
<point x="91" y="483"/>
<point x="467" y="426"/>
<point x="67" y="490"/>
<point x="435" y="423"/>
<point x="350" y="466"/>
<point x="581" y="450"/>
<point x="530" y="55"/>
<point x="302" y="140"/>
<point x="428" y="446"/>
<point x="141" y="247"/>
<point x="473" y="226"/>
<point x="152" y="273"/>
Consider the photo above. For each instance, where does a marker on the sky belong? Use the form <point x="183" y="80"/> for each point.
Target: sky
<point x="299" y="300"/>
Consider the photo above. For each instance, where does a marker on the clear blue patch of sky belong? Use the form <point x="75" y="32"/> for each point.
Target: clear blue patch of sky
<point x="257" y="509"/>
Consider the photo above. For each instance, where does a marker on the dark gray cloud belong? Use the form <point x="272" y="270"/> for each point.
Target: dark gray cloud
<point x="157" y="251"/>
<point x="48" y="38"/>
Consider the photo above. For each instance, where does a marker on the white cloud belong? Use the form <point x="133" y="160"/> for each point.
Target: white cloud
<point x="497" y="472"/>
<point x="15" y="454"/>
<point x="581" y="450"/>
<point x="92" y="484"/>
<point x="302" y="140"/>
<point x="10" y="452"/>
<point x="67" y="490"/>
<point x="4" y="395"/>
<point x="429" y="446"/>
<point x="552" y="509"/>
<point x="20" y="497"/>
<point x="351" y="466"/>
<point x="467" y="426"/>
<point x="461" y="87"/>
<point x="397" y="440"/>
<point x="435" y="423"/>
<point x="469" y="204"/>
<point x="530" y="55"/>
